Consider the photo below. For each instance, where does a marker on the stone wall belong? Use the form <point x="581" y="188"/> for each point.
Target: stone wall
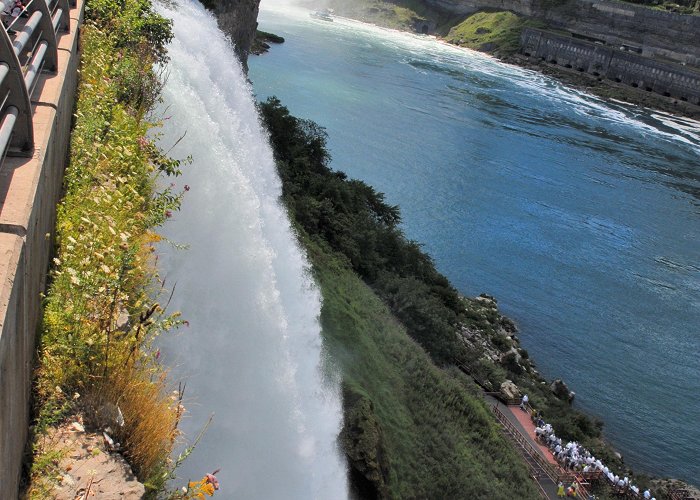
<point x="631" y="68"/>
<point x="657" y="33"/>
<point x="29" y="191"/>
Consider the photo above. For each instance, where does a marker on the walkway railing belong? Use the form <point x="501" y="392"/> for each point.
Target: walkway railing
<point x="28" y="47"/>
<point x="555" y="473"/>
<point x="680" y="494"/>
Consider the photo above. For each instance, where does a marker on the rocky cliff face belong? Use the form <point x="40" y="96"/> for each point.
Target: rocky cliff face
<point x="239" y="20"/>
<point x="466" y="7"/>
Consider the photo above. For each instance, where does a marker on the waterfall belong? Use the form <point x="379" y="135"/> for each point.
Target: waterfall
<point x="252" y="354"/>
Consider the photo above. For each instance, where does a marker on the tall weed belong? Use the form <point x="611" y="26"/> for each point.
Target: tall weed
<point x="102" y="310"/>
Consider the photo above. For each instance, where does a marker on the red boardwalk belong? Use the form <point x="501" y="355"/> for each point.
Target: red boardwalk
<point x="525" y="421"/>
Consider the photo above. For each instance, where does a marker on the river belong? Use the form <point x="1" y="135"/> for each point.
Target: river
<point x="580" y="215"/>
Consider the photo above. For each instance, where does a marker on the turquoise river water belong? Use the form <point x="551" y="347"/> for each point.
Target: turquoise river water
<point x="581" y="216"/>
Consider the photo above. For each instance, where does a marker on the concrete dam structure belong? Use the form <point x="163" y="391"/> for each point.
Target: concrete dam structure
<point x="652" y="50"/>
<point x="621" y="64"/>
<point x="658" y="34"/>
<point x="38" y="77"/>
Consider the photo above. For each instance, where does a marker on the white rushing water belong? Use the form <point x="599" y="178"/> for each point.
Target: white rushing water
<point x="252" y="354"/>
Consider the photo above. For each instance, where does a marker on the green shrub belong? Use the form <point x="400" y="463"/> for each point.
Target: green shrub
<point x="355" y="221"/>
<point x="412" y="430"/>
<point x="101" y="312"/>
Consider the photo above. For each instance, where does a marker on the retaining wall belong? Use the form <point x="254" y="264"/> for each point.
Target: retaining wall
<point x="29" y="191"/>
<point x="631" y="68"/>
<point x="658" y="34"/>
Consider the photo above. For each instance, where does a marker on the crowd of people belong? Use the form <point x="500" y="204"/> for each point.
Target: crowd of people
<point x="574" y="457"/>
<point x="11" y="10"/>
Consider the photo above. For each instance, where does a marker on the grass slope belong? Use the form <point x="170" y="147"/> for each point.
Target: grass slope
<point x="497" y="32"/>
<point x="378" y="12"/>
<point x="437" y="437"/>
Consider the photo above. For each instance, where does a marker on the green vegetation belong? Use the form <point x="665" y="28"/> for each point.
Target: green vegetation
<point x="101" y="312"/>
<point x="352" y="218"/>
<point x="415" y="425"/>
<point x="393" y="15"/>
<point x="412" y="430"/>
<point x="412" y="15"/>
<point x="496" y="32"/>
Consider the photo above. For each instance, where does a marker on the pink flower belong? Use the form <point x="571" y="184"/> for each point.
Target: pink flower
<point x="168" y="213"/>
<point x="187" y="188"/>
<point x="211" y="478"/>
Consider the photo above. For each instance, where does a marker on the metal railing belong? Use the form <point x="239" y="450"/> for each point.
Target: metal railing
<point x="555" y="473"/>
<point x="28" y="47"/>
<point x="680" y="494"/>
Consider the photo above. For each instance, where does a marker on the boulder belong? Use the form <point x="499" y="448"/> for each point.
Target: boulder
<point x="561" y="390"/>
<point x="510" y="390"/>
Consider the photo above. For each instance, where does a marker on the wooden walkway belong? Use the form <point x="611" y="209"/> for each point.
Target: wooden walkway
<point x="544" y="469"/>
<point x="528" y="427"/>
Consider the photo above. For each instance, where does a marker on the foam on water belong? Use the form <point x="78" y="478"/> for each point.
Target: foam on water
<point x="423" y="47"/>
<point x="252" y="354"/>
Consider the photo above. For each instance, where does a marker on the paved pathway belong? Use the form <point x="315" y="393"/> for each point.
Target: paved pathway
<point x="521" y="422"/>
<point x="528" y="429"/>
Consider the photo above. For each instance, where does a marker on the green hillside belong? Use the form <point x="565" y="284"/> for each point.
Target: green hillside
<point x="415" y="426"/>
<point x="416" y="430"/>
<point x="497" y="32"/>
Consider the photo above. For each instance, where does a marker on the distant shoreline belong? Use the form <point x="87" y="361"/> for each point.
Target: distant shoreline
<point x="597" y="86"/>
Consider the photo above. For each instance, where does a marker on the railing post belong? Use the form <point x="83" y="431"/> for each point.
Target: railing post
<point x="47" y="33"/>
<point x="14" y="94"/>
<point x="60" y="14"/>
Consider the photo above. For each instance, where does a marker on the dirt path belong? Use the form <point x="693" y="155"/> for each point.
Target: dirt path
<point x="90" y="470"/>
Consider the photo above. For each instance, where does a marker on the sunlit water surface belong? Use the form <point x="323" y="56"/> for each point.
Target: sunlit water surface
<point x="580" y="216"/>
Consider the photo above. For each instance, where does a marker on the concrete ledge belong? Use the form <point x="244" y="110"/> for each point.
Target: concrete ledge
<point x="15" y="362"/>
<point x="30" y="189"/>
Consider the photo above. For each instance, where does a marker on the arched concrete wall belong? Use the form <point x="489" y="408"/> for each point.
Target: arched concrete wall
<point x="614" y="63"/>
<point x="29" y="191"/>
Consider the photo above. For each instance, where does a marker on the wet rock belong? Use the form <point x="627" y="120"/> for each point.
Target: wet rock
<point x="238" y="19"/>
<point x="561" y="390"/>
<point x="363" y="443"/>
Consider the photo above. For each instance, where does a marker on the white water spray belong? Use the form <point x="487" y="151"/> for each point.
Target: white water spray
<point x="252" y="354"/>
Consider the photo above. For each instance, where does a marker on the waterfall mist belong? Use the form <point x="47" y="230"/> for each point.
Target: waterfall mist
<point x="252" y="354"/>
